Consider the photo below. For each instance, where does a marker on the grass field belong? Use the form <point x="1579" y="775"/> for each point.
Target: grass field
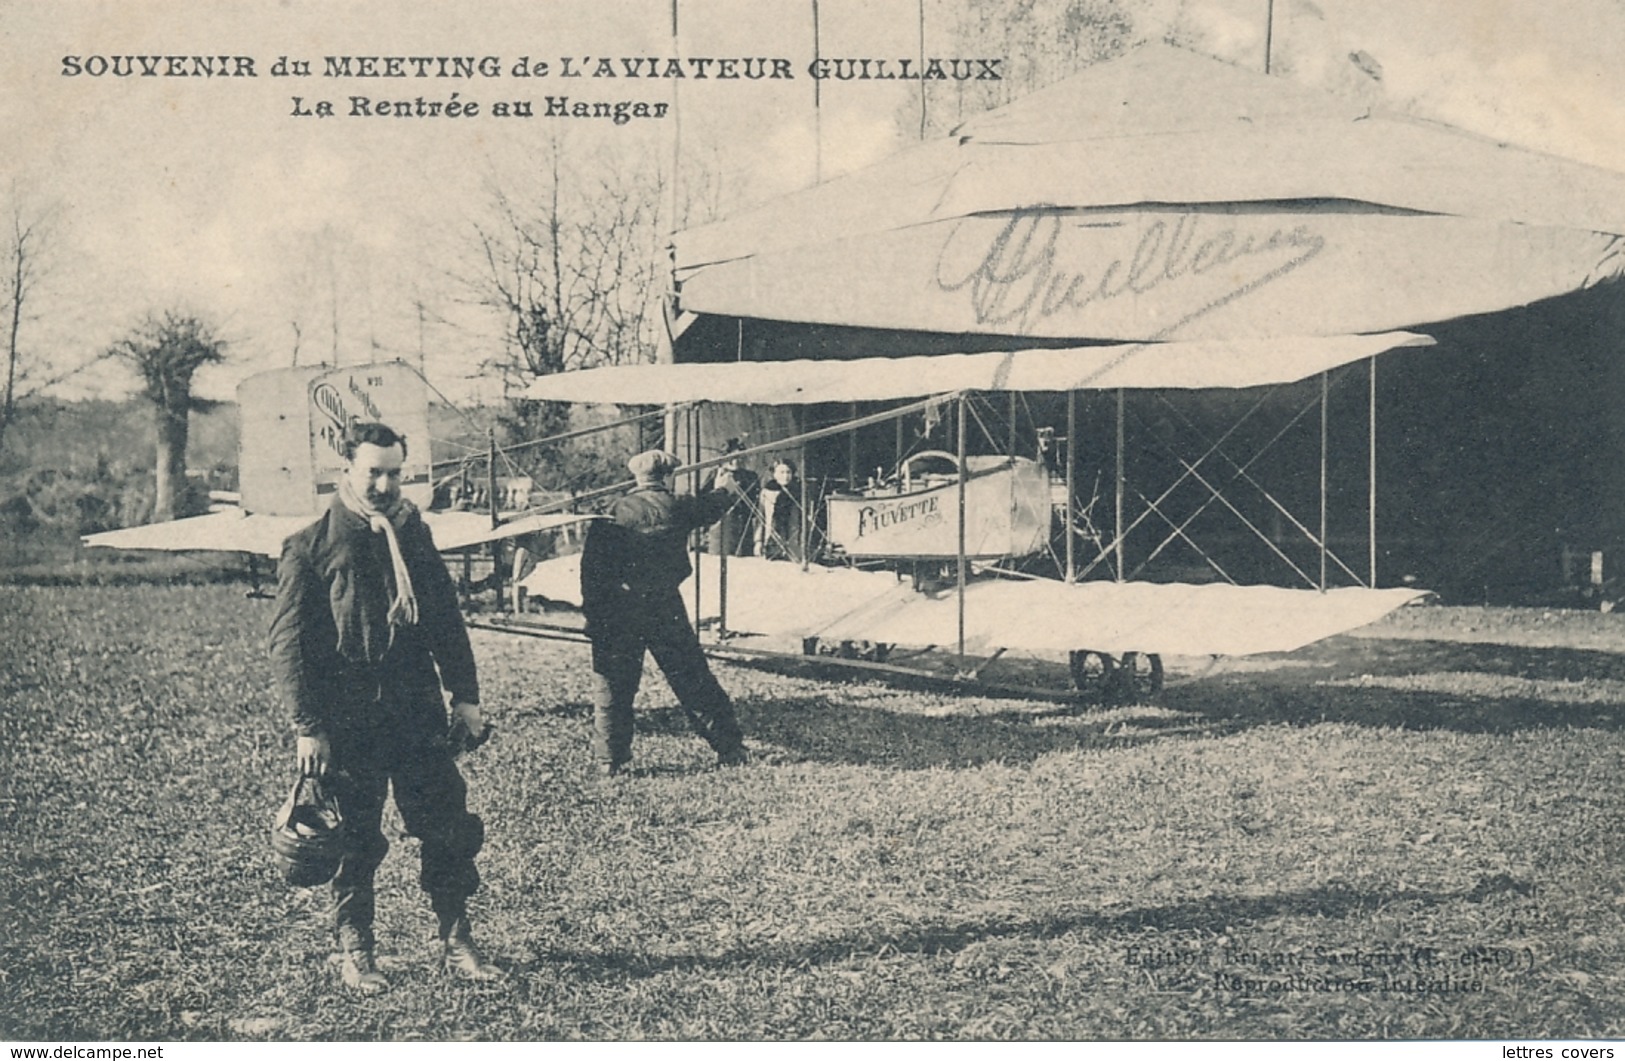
<point x="1379" y="837"/>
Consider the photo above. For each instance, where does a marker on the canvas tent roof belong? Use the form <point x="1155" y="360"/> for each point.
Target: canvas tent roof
<point x="1195" y="365"/>
<point x="1168" y="195"/>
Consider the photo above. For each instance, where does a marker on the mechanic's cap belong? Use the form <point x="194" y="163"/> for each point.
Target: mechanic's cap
<point x="653" y="465"/>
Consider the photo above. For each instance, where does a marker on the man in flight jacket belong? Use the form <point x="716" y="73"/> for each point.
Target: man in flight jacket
<point x="365" y="635"/>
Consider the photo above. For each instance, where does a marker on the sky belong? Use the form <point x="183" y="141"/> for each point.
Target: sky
<point x="345" y="235"/>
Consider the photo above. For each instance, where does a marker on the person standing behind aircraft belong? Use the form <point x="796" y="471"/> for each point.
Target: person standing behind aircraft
<point x="631" y="568"/>
<point x="780" y="535"/>
<point x="734" y="534"/>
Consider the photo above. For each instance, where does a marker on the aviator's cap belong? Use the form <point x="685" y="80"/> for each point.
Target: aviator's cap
<point x="653" y="465"/>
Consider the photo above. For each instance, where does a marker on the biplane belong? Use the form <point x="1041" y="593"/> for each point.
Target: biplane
<point x="972" y="535"/>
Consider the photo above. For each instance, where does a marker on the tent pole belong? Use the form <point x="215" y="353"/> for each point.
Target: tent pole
<point x="496" y="517"/>
<point x="668" y="341"/>
<point x="1325" y="390"/>
<point x="1269" y="33"/>
<point x="963" y="399"/>
<point x="1371" y="476"/>
<point x="805" y="536"/>
<point x="921" y="7"/>
<point x="1071" y="484"/>
<point x="491" y="475"/>
<point x="818" y="101"/>
<point x="724" y="531"/>
<point x="852" y="450"/>
<point x="1119" y="533"/>
<point x="694" y="488"/>
<point x="1013" y="414"/>
<point x="897" y="450"/>
<point x="722" y="594"/>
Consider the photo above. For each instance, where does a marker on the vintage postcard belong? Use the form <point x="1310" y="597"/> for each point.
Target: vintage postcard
<point x="1123" y="496"/>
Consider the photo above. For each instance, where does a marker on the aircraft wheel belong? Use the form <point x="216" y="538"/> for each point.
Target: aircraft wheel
<point x="1139" y="676"/>
<point x="1094" y="674"/>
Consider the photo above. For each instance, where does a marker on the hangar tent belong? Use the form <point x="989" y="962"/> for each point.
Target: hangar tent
<point x="1166" y="196"/>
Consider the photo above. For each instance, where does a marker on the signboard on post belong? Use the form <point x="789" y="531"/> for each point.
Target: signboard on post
<point x="293" y="432"/>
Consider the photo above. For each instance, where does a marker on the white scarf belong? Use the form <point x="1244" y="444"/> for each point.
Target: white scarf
<point x="403" y="610"/>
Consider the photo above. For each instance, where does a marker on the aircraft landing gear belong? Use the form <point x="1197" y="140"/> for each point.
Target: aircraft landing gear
<point x="868" y="651"/>
<point x="1101" y="678"/>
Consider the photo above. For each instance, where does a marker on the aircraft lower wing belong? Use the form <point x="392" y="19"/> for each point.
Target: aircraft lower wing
<point x="778" y="599"/>
<point x="226" y="531"/>
<point x="235" y="531"/>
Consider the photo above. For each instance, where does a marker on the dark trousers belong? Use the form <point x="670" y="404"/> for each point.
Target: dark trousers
<point x="433" y="800"/>
<point x="658" y="623"/>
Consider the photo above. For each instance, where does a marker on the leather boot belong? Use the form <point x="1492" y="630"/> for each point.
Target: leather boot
<point x="360" y="973"/>
<point x="356" y="966"/>
<point x="459" y="954"/>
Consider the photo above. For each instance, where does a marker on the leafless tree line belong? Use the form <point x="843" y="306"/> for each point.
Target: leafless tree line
<point x="26" y="237"/>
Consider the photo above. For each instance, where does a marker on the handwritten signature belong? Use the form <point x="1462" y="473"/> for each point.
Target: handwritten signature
<point x="1018" y="278"/>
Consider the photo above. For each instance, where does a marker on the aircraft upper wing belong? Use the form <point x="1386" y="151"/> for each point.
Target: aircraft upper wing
<point x="1178" y="365"/>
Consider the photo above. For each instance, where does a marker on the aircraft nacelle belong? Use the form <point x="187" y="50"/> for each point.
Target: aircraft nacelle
<point x="1007" y="510"/>
<point x="293" y="422"/>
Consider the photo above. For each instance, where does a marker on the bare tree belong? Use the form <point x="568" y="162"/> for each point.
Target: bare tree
<point x="167" y="350"/>
<point x="576" y="265"/>
<point x="25" y="237"/>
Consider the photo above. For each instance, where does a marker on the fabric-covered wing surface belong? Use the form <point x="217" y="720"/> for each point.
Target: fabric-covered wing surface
<point x="778" y="599"/>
